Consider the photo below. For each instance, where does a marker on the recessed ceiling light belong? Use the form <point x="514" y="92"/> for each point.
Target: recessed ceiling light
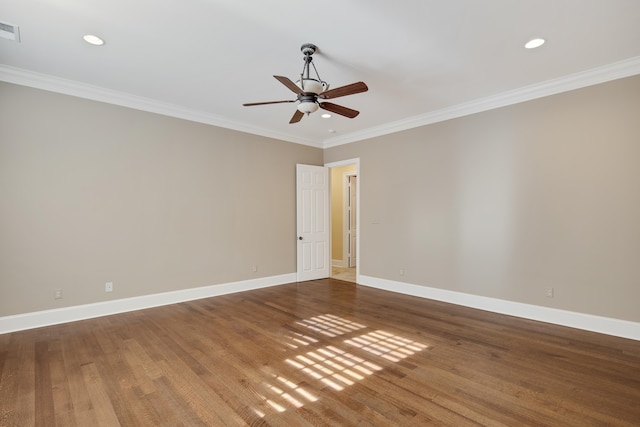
<point x="332" y="131"/>
<point x="326" y="115"/>
<point x="94" y="40"/>
<point x="534" y="43"/>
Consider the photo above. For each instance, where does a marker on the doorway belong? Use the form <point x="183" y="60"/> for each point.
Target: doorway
<point x="344" y="199"/>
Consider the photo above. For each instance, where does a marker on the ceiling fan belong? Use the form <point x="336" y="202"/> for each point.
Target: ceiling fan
<point x="311" y="90"/>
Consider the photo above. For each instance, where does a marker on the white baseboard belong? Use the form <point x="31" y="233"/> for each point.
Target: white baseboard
<point x="588" y="322"/>
<point x="39" y="319"/>
<point x="604" y="325"/>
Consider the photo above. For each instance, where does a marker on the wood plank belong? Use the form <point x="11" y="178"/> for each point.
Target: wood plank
<point x="44" y="411"/>
<point x="101" y="403"/>
<point x="61" y="394"/>
<point x="17" y="384"/>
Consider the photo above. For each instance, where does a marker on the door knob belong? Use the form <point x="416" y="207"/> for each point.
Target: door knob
<point x="300" y="238"/>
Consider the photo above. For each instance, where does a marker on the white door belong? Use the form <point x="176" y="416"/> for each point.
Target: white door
<point x="312" y="200"/>
<point x="353" y="226"/>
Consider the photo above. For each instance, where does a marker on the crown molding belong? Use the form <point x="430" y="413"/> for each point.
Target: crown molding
<point x="617" y="70"/>
<point x="614" y="71"/>
<point x="81" y="90"/>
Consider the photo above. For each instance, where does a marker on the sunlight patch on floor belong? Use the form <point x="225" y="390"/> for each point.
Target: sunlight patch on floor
<point x="300" y="340"/>
<point x="331" y="325"/>
<point x="386" y="345"/>
<point x="331" y="365"/>
<point x="283" y="392"/>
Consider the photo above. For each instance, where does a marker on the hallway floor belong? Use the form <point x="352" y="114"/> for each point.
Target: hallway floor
<point x="346" y="274"/>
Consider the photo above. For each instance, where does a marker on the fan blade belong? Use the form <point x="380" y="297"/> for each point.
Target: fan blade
<point x="288" y="83"/>
<point x="344" y="90"/>
<point x="297" y="116"/>
<point x="339" y="109"/>
<point x="268" y="102"/>
<point x="251" y="104"/>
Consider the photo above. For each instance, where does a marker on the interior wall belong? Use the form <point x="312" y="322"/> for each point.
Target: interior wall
<point x="92" y="193"/>
<point x="510" y="202"/>
<point x="337" y="211"/>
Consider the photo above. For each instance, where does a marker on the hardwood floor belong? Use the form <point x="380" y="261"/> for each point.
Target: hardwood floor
<point x="318" y="353"/>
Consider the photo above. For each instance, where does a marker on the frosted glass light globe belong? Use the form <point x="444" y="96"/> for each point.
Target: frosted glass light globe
<point x="307" y="107"/>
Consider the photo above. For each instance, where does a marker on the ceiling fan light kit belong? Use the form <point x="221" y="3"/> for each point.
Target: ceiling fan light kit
<point x="310" y="89"/>
<point x="308" y="107"/>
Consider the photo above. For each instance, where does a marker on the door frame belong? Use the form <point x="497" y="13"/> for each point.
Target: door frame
<point x="337" y="164"/>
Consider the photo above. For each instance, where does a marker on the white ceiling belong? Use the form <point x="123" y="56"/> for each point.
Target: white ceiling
<point x="423" y="60"/>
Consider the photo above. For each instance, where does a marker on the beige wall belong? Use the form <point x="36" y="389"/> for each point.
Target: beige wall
<point x="337" y="210"/>
<point x="91" y="192"/>
<point x="503" y="204"/>
<point x="509" y="202"/>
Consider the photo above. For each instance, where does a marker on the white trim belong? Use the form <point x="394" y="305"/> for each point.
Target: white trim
<point x="617" y="70"/>
<point x="603" y="325"/>
<point x="82" y="90"/>
<point x="39" y="319"/>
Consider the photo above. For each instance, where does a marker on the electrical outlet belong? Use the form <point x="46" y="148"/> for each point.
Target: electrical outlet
<point x="549" y="292"/>
<point x="254" y="268"/>
<point x="402" y="271"/>
<point x="108" y="287"/>
<point x="57" y="293"/>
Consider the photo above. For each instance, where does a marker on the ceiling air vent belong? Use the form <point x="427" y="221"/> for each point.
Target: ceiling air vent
<point x="9" y="32"/>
